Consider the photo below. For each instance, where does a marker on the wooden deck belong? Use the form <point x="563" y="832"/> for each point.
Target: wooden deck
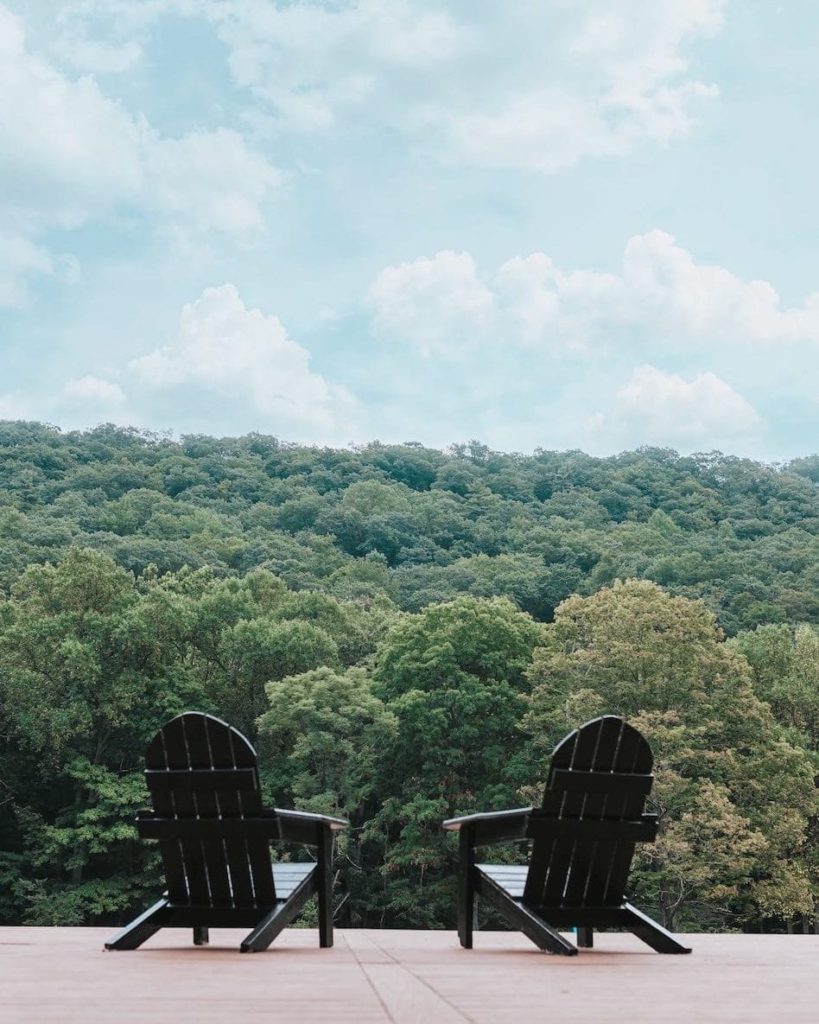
<point x="63" y="975"/>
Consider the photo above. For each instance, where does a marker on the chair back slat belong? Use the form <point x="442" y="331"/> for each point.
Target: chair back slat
<point x="611" y="783"/>
<point x="206" y="802"/>
<point x="236" y="804"/>
<point x="197" y="766"/>
<point x="633" y="749"/>
<point x="257" y="850"/>
<point x="588" y="863"/>
<point x="164" y="752"/>
<point x="205" y="780"/>
<point x="566" y="860"/>
<point x="589" y="781"/>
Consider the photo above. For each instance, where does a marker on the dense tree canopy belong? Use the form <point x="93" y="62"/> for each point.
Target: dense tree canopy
<point x="405" y="633"/>
<point x="418" y="525"/>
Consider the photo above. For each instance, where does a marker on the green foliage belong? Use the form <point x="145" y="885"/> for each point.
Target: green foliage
<point x="322" y="741"/>
<point x="742" y="536"/>
<point x="454" y="679"/>
<point x="785" y="669"/>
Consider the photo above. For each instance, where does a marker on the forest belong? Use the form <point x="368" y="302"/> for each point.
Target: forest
<point x="404" y="634"/>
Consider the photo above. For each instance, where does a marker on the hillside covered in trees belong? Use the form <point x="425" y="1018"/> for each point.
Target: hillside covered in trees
<point x="404" y="633"/>
<point x="417" y="525"/>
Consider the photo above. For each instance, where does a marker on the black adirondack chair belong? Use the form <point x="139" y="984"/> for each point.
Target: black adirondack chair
<point x="214" y="836"/>
<point x="582" y="845"/>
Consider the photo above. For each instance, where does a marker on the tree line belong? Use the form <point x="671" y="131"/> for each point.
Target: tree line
<point x="404" y="634"/>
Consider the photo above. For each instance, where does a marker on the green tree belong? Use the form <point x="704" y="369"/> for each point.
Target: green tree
<point x="723" y="765"/>
<point x="320" y="740"/>
<point x="85" y="680"/>
<point x="784" y="661"/>
<point x="254" y="651"/>
<point x="454" y="679"/>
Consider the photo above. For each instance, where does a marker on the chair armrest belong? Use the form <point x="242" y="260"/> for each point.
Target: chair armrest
<point x="289" y="826"/>
<point x="335" y="824"/>
<point x="305" y="827"/>
<point x="492" y="826"/>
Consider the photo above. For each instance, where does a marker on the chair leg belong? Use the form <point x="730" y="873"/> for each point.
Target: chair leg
<point x="141" y="928"/>
<point x="201" y="936"/>
<point x="466" y="887"/>
<point x="280" y="916"/>
<point x="325" y="889"/>
<point x="267" y="930"/>
<point x="525" y="919"/>
<point x="650" y="932"/>
<point x="585" y="938"/>
<point x="542" y="934"/>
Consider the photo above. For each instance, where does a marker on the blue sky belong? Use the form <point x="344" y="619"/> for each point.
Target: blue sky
<point x="542" y="223"/>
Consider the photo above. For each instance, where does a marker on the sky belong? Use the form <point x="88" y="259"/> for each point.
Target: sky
<point x="539" y="223"/>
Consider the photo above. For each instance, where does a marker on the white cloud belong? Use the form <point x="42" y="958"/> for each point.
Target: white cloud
<point x="438" y="304"/>
<point x="656" y="407"/>
<point x="545" y="306"/>
<point x="600" y="78"/>
<point x="701" y="301"/>
<point x="67" y="151"/>
<point x="661" y="290"/>
<point x="229" y="357"/>
<point x="586" y="80"/>
<point x="230" y="369"/>
<point x="89" y="400"/>
<point x="94" y="390"/>
<point x="19" y="258"/>
<point x="661" y="297"/>
<point x="212" y="180"/>
<point x="69" y="154"/>
<point x="592" y="79"/>
<point x="317" y="65"/>
<point x="548" y="129"/>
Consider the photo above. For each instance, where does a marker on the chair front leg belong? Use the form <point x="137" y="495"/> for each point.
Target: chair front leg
<point x="266" y="930"/>
<point x="466" y="885"/>
<point x="325" y="888"/>
<point x="141" y="928"/>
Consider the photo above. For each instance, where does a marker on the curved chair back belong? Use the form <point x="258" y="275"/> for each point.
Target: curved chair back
<point x="198" y="766"/>
<point x="599" y="778"/>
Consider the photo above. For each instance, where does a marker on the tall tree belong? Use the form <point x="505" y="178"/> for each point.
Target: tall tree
<point x="734" y="795"/>
<point x="454" y="679"/>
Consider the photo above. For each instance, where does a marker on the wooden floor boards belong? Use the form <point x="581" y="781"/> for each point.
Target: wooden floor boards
<point x="63" y="975"/>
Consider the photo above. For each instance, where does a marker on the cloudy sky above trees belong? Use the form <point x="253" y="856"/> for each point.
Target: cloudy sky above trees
<point x="540" y="223"/>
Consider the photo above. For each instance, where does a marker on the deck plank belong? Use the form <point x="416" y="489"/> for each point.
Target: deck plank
<point x="63" y="975"/>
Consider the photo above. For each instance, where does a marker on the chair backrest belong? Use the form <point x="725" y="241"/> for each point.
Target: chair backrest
<point x="197" y="766"/>
<point x="601" y="772"/>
